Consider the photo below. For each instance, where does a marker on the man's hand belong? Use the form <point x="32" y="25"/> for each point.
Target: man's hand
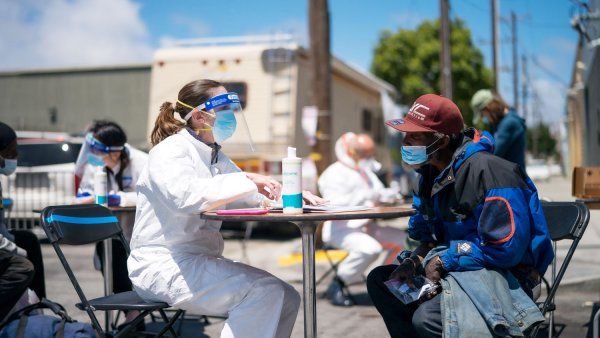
<point x="434" y="271"/>
<point x="405" y="272"/>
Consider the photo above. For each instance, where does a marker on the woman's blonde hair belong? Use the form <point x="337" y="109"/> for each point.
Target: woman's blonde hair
<point x="193" y="94"/>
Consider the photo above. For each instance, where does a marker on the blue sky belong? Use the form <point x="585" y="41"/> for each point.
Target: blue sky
<point x="64" y="33"/>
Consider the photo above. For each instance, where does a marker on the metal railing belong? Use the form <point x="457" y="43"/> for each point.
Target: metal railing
<point x="33" y="189"/>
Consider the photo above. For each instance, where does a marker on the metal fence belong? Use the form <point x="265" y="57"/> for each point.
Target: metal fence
<point x="32" y="189"/>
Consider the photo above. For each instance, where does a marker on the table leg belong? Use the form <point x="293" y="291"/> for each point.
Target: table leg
<point x="308" y="278"/>
<point x="108" y="279"/>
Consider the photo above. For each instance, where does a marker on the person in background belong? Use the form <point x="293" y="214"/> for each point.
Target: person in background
<point x="508" y="128"/>
<point x="16" y="271"/>
<point x="480" y="226"/>
<point x="351" y="181"/>
<point x="176" y="256"/>
<point x="106" y="148"/>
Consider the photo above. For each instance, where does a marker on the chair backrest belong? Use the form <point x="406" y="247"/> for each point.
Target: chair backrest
<point x="79" y="224"/>
<point x="566" y="220"/>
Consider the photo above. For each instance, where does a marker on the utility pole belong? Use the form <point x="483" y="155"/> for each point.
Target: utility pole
<point x="495" y="63"/>
<point x="445" y="59"/>
<point x="525" y="83"/>
<point x="515" y="65"/>
<point x="318" y="13"/>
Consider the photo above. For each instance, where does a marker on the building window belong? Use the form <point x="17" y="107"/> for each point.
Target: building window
<point x="379" y="132"/>
<point x="367" y="122"/>
<point x="241" y="88"/>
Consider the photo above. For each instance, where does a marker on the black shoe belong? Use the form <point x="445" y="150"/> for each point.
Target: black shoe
<point x="335" y="294"/>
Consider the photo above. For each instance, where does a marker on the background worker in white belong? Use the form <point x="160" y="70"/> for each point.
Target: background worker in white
<point x="351" y="182"/>
<point x="176" y="256"/>
<point x="106" y="149"/>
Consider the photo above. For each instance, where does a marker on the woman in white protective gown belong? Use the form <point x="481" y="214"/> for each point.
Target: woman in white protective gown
<point x="176" y="257"/>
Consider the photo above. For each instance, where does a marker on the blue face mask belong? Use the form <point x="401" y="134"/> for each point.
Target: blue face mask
<point x="95" y="160"/>
<point x="224" y="126"/>
<point x="9" y="167"/>
<point x="417" y="155"/>
<point x="486" y="120"/>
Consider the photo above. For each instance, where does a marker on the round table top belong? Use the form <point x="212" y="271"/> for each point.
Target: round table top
<point x="372" y="213"/>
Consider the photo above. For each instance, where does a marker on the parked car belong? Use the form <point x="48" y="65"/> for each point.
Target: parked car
<point x="44" y="175"/>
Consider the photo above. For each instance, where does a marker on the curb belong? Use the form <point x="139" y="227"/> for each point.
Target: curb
<point x="588" y="283"/>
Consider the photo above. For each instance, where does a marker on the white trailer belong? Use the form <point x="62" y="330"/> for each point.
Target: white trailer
<point x="272" y="76"/>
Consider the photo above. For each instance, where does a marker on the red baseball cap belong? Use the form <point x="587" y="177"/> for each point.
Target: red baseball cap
<point x="430" y="113"/>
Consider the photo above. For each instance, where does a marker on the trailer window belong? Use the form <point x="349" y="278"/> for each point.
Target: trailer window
<point x="240" y="88"/>
<point x="366" y="118"/>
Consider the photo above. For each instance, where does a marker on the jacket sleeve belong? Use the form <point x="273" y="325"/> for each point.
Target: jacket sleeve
<point x="503" y="233"/>
<point x="419" y="227"/>
<point x="505" y="136"/>
<point x="188" y="189"/>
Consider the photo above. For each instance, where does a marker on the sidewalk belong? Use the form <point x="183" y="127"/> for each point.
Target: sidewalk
<point x="585" y="264"/>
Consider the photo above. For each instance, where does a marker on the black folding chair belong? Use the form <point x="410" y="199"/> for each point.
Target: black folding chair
<point x="85" y="224"/>
<point x="566" y="221"/>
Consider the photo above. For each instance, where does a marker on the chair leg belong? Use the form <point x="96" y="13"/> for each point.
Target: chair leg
<point x="132" y="324"/>
<point x="334" y="267"/>
<point x="169" y="323"/>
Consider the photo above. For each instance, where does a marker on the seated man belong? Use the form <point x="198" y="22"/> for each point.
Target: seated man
<point x="351" y="181"/>
<point x="16" y="271"/>
<point x="483" y="216"/>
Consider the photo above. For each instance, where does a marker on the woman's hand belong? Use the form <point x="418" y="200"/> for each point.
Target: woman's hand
<point x="313" y="199"/>
<point x="266" y="185"/>
<point x="84" y="200"/>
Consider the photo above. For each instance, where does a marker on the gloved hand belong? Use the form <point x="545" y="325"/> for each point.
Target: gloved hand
<point x="434" y="270"/>
<point x="405" y="271"/>
<point x="21" y="252"/>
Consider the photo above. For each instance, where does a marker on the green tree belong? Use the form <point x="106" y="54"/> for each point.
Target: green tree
<point x="540" y="142"/>
<point x="410" y="60"/>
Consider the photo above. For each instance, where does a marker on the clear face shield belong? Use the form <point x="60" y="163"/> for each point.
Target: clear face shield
<point x="93" y="152"/>
<point x="226" y="120"/>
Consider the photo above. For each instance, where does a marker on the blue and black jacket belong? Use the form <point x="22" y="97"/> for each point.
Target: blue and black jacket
<point x="484" y="208"/>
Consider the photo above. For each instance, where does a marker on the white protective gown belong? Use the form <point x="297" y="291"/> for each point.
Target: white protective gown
<point x="176" y="257"/>
<point x="131" y="174"/>
<point x="342" y="183"/>
<point x="137" y="162"/>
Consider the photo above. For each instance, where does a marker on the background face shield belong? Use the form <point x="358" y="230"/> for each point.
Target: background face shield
<point x="92" y="152"/>
<point x="229" y="126"/>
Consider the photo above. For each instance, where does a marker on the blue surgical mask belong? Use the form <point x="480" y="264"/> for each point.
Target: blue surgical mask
<point x="486" y="120"/>
<point x="9" y="167"/>
<point x="95" y="160"/>
<point x="224" y="126"/>
<point x="417" y="155"/>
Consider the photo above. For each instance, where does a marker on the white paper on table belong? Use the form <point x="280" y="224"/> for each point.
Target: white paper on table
<point x="325" y="208"/>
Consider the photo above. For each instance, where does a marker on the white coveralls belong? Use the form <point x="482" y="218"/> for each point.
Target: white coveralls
<point x="342" y="183"/>
<point x="137" y="162"/>
<point x="131" y="173"/>
<point x="177" y="257"/>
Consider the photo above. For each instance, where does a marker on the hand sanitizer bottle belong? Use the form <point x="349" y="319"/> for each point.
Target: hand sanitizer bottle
<point x="292" y="183"/>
